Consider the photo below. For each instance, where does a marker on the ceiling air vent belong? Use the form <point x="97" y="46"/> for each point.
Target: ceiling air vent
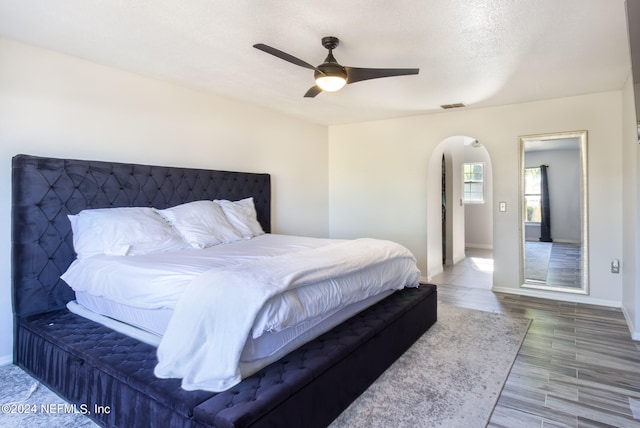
<point x="449" y="106"/>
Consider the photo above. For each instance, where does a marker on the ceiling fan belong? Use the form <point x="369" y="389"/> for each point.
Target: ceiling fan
<point x="331" y="76"/>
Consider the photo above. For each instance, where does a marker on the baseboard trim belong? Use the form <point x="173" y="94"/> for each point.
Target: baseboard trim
<point x="635" y="335"/>
<point x="479" y="246"/>
<point x="573" y="298"/>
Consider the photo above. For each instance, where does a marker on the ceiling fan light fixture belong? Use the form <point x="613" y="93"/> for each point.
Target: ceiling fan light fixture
<point x="331" y="83"/>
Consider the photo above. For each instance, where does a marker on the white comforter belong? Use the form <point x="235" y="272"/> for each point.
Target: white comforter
<point x="157" y="280"/>
<point x="266" y="279"/>
<point x="212" y="320"/>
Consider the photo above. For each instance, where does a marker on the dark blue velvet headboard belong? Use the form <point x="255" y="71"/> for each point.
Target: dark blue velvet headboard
<point x="46" y="190"/>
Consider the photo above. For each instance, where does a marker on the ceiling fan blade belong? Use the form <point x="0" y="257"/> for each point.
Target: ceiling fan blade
<point x="283" y="55"/>
<point x="355" y="74"/>
<point x="313" y="91"/>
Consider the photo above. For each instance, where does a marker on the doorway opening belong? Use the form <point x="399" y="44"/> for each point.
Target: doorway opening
<point x="461" y="239"/>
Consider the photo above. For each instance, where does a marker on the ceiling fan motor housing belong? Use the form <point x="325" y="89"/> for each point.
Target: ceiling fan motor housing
<point x="330" y="69"/>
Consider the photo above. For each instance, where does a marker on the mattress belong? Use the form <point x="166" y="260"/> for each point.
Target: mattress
<point x="148" y="325"/>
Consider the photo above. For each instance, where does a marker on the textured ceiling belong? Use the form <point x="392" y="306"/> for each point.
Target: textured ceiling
<point x="477" y="52"/>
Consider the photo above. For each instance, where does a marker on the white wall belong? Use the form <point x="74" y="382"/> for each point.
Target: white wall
<point x="60" y="106"/>
<point x="378" y="174"/>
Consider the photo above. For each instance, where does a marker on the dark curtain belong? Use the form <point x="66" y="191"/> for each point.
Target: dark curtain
<point x="545" y="220"/>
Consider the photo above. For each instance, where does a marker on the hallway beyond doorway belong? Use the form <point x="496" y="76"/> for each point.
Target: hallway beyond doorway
<point x="475" y="271"/>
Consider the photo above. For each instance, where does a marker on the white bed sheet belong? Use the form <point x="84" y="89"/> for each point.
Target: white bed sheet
<point x="154" y="321"/>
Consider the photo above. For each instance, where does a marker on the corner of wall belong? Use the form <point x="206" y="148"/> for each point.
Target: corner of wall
<point x="635" y="334"/>
<point x="6" y="359"/>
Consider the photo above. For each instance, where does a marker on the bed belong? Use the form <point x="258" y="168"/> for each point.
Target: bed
<point x="92" y="364"/>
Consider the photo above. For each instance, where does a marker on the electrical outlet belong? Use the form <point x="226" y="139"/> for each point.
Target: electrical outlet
<point x="615" y="266"/>
<point x="502" y="207"/>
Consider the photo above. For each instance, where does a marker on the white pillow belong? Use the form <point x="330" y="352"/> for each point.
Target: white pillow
<point x="201" y="223"/>
<point x="242" y="215"/>
<point x="125" y="231"/>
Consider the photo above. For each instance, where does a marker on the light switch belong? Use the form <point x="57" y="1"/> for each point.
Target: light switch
<point x="615" y="266"/>
<point x="502" y="207"/>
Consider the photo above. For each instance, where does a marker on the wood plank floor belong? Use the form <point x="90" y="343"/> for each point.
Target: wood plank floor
<point x="578" y="366"/>
<point x="564" y="265"/>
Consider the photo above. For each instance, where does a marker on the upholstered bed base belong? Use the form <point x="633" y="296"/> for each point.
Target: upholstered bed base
<point x="91" y="365"/>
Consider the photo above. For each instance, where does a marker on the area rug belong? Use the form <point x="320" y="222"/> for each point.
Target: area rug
<point x="451" y="377"/>
<point x="537" y="256"/>
<point x="26" y="403"/>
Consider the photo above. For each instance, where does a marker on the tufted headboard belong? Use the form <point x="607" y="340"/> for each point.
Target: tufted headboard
<point x="46" y="190"/>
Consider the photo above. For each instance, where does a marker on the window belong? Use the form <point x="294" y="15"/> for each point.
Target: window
<point x="473" y="176"/>
<point x="532" y="196"/>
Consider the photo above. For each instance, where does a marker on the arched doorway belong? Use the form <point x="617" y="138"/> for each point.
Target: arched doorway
<point x="457" y="222"/>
